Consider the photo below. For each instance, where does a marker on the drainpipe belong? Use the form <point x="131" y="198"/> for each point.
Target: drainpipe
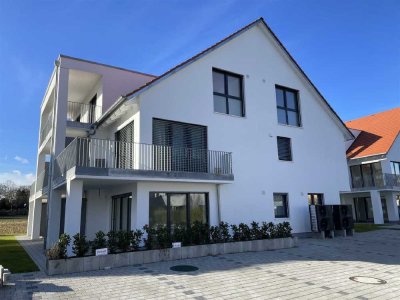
<point x="218" y="203"/>
<point x="51" y="163"/>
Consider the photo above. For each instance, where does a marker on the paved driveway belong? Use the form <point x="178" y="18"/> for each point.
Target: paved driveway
<point x="316" y="269"/>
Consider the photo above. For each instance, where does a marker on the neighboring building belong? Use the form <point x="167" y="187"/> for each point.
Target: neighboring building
<point x="374" y="166"/>
<point x="236" y="133"/>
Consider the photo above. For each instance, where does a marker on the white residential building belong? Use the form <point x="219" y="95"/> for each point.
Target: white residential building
<point x="236" y="133"/>
<point x="374" y="166"/>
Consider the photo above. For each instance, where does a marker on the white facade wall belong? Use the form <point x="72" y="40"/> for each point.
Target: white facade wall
<point x="319" y="162"/>
<point x="392" y="155"/>
<point x="115" y="81"/>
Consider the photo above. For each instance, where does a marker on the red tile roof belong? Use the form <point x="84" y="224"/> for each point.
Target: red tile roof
<point x="378" y="133"/>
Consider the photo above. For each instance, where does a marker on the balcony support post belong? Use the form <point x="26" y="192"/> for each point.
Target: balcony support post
<point x="377" y="207"/>
<point x="36" y="217"/>
<point x="53" y="218"/>
<point x="73" y="207"/>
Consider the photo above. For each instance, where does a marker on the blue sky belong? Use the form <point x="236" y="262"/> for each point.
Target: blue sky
<point x="349" y="49"/>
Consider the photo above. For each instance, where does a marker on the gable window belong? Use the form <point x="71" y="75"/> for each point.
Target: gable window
<point x="284" y="148"/>
<point x="287" y="104"/>
<point x="228" y="93"/>
<point x="281" y="205"/>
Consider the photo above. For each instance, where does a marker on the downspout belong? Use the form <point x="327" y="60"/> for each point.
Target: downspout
<point x="218" y="203"/>
<point x="51" y="163"/>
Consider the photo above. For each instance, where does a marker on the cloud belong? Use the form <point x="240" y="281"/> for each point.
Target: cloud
<point x="21" y="160"/>
<point x="17" y="177"/>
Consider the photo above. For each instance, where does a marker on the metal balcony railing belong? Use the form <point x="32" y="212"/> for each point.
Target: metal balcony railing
<point x="98" y="153"/>
<point x="83" y="112"/>
<point x="42" y="181"/>
<point x="32" y="189"/>
<point x="383" y="180"/>
<point x="45" y="128"/>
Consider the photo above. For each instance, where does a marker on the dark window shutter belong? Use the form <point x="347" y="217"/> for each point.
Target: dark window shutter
<point x="125" y="147"/>
<point x="177" y="134"/>
<point x="179" y="146"/>
<point x="284" y="148"/>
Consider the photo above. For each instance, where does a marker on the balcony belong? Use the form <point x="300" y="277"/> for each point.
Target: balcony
<point x="45" y="128"/>
<point x="96" y="157"/>
<point x="83" y="112"/>
<point x="379" y="181"/>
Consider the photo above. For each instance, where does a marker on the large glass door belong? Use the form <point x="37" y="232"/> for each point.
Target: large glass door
<point x="177" y="210"/>
<point x="121" y="212"/>
<point x="363" y="209"/>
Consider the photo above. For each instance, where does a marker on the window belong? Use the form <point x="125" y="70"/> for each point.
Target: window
<point x="173" y="209"/>
<point x="281" y="205"/>
<point x="287" y="104"/>
<point x="315" y="199"/>
<point x="178" y="138"/>
<point x="395" y="167"/>
<point x="367" y="175"/>
<point x="228" y="93"/>
<point x="121" y="212"/>
<point x="284" y="148"/>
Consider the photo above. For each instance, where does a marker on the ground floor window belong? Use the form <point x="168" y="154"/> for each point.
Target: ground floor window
<point x="173" y="209"/>
<point x="315" y="199"/>
<point x="363" y="209"/>
<point x="281" y="207"/>
<point x="121" y="212"/>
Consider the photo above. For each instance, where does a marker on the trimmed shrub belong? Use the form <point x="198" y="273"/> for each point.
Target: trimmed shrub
<point x="80" y="246"/>
<point x="283" y="230"/>
<point x="54" y="252"/>
<point x="99" y="241"/>
<point x="256" y="233"/>
<point x="181" y="234"/>
<point x="200" y="233"/>
<point x="136" y="238"/>
<point x="151" y="239"/>
<point x="163" y="237"/>
<point x="112" y="241"/>
<point x="123" y="240"/>
<point x="245" y="232"/>
<point x="63" y="243"/>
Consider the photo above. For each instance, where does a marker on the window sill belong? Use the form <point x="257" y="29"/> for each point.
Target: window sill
<point x="228" y="115"/>
<point x="291" y="126"/>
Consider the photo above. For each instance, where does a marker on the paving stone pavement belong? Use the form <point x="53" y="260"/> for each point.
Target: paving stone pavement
<point x="317" y="269"/>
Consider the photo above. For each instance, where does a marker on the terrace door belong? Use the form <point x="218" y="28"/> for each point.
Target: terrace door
<point x="179" y="146"/>
<point x="124" y="147"/>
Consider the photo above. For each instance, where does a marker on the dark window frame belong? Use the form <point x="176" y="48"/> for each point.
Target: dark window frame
<point x="188" y="221"/>
<point x="290" y="148"/>
<point x="286" y="205"/>
<point x="226" y="94"/>
<point x="286" y="108"/>
<point x="117" y="227"/>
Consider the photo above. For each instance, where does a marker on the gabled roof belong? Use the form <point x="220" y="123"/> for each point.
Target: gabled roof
<point x="378" y="133"/>
<point x="213" y="47"/>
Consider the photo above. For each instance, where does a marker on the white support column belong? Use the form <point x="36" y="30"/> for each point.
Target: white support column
<point x="392" y="208"/>
<point x="58" y="144"/>
<point x="377" y="207"/>
<point x="36" y="218"/>
<point x="73" y="209"/>
<point x="53" y="218"/>
<point x="30" y="219"/>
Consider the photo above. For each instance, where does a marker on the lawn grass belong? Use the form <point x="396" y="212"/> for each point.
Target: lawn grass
<point x="14" y="257"/>
<point x="364" y="227"/>
<point x="15" y="225"/>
